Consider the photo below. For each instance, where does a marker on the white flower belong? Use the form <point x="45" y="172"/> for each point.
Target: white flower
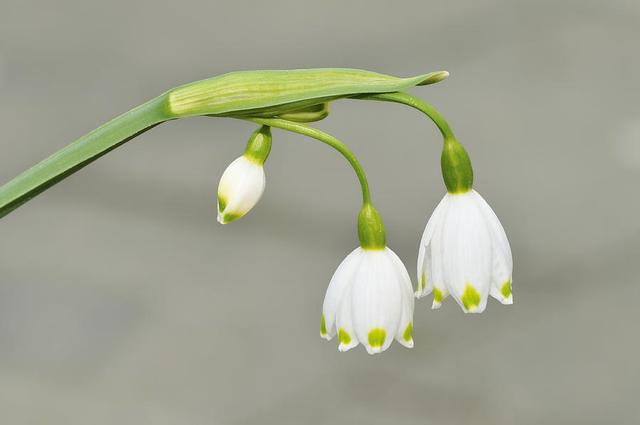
<point x="465" y="252"/>
<point x="369" y="301"/>
<point x="240" y="189"/>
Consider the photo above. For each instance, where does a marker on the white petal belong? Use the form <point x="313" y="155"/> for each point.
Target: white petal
<point x="467" y="253"/>
<point x="435" y="278"/>
<point x="496" y="229"/>
<point x="341" y="279"/>
<point x="424" y="285"/>
<point x="404" y="334"/>
<point x="434" y="220"/>
<point x="425" y="272"/>
<point x="241" y="187"/>
<point x="500" y="279"/>
<point x="501" y="273"/>
<point x="376" y="301"/>
<point x="344" y="322"/>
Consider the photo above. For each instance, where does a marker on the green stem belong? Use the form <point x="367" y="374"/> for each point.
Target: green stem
<point x="325" y="138"/>
<point x="420" y="105"/>
<point x="80" y="153"/>
<point x="457" y="171"/>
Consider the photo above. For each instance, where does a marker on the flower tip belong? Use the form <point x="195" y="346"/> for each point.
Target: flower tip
<point x="508" y="300"/>
<point x="474" y="309"/>
<point x="344" y="348"/>
<point x="374" y="350"/>
<point x="226" y="218"/>
<point x="436" y="305"/>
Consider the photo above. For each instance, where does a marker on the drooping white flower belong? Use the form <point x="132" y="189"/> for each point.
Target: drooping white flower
<point x="369" y="301"/>
<point x="465" y="252"/>
<point x="242" y="183"/>
<point x="240" y="189"/>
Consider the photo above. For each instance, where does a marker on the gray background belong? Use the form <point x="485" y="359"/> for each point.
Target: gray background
<point x="122" y="301"/>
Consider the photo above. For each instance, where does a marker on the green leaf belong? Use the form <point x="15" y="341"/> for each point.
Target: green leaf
<point x="79" y="154"/>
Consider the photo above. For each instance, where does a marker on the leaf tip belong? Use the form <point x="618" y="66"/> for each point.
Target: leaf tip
<point x="433" y="77"/>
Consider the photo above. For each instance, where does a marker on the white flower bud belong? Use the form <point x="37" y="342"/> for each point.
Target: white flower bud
<point x="240" y="189"/>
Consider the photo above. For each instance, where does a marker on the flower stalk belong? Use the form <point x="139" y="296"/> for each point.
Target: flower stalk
<point x="325" y="138"/>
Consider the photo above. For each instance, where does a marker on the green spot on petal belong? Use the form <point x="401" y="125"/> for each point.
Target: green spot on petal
<point x="323" y="326"/>
<point x="408" y="333"/>
<point x="344" y="337"/>
<point x="424" y="280"/>
<point x="228" y="218"/>
<point x="437" y="295"/>
<point x="222" y="203"/>
<point x="377" y="337"/>
<point x="505" y="290"/>
<point x="470" y="298"/>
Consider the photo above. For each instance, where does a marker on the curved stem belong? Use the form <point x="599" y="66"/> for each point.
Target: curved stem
<point x="418" y="104"/>
<point x="80" y="153"/>
<point x="325" y="138"/>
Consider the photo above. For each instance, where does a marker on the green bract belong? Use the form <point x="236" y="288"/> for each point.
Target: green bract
<point x="273" y="93"/>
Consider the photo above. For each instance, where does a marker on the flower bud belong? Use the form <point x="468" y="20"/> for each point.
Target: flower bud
<point x="243" y="182"/>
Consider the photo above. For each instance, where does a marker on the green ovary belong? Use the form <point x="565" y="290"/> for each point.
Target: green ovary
<point x="438" y="296"/>
<point x="344" y="337"/>
<point x="323" y="326"/>
<point x="377" y="337"/>
<point x="505" y="289"/>
<point x="470" y="298"/>
<point x="408" y="333"/>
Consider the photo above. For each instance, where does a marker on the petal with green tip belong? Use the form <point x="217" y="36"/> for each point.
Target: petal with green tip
<point x="241" y="187"/>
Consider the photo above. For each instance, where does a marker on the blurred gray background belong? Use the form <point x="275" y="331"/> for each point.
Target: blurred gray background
<point x="122" y="301"/>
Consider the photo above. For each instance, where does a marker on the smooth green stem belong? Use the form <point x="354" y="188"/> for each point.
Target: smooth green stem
<point x="457" y="171"/>
<point x="325" y="138"/>
<point x="418" y="104"/>
<point x="80" y="153"/>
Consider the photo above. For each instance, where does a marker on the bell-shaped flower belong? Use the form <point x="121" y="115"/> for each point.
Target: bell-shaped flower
<point x="243" y="182"/>
<point x="369" y="300"/>
<point x="465" y="252"/>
